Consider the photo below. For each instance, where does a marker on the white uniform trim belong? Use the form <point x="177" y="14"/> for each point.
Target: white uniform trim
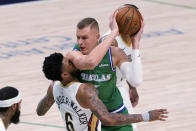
<point x="2" y="126"/>
<point x="9" y="102"/>
<point x="120" y="109"/>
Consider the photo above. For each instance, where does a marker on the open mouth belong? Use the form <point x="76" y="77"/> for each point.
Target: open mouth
<point x="82" y="48"/>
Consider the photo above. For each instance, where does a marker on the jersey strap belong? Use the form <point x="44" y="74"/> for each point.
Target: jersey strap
<point x="93" y="123"/>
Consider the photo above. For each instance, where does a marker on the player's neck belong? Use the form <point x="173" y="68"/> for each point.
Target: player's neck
<point x="67" y="81"/>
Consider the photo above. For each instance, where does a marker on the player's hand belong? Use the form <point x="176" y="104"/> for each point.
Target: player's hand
<point x="134" y="97"/>
<point x="113" y="24"/>
<point x="136" y="38"/>
<point x="159" y="114"/>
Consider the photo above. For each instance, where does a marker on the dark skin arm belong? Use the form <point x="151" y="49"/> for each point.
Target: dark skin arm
<point x="134" y="97"/>
<point x="46" y="102"/>
<point x="87" y="97"/>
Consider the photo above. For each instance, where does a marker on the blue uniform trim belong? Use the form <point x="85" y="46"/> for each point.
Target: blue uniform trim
<point x="111" y="63"/>
<point x="74" y="49"/>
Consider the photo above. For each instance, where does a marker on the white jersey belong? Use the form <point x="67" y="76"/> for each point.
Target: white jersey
<point x="2" y="126"/>
<point x="76" y="117"/>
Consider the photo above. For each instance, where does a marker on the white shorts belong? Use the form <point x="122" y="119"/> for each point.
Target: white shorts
<point x="124" y="90"/>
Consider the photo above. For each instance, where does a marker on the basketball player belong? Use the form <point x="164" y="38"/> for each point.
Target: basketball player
<point x="103" y="76"/>
<point x="129" y="94"/>
<point x="77" y="101"/>
<point x="10" y="104"/>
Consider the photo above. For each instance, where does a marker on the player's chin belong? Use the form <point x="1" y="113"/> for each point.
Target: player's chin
<point x="84" y="52"/>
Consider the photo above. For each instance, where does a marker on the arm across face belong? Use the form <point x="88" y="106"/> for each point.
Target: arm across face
<point x="93" y="58"/>
<point x="88" y="96"/>
<point x="46" y="102"/>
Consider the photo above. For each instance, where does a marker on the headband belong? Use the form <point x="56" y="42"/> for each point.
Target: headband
<point x="9" y="102"/>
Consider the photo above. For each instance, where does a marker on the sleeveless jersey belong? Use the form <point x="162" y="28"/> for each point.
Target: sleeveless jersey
<point x="103" y="76"/>
<point x="2" y="127"/>
<point x="76" y="117"/>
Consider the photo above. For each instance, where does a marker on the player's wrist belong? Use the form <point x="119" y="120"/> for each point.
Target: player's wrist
<point x="135" y="54"/>
<point x="146" y="117"/>
<point x="114" y="33"/>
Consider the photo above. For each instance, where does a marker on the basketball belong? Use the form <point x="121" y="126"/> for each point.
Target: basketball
<point x="128" y="19"/>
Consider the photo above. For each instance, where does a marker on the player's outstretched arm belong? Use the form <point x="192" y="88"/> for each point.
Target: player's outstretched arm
<point x="46" y="102"/>
<point x="90" y="61"/>
<point x="88" y="97"/>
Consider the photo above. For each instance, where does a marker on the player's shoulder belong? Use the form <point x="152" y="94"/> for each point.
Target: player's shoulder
<point x="86" y="85"/>
<point x="87" y="88"/>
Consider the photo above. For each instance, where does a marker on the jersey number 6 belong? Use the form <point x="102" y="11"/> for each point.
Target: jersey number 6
<point x="69" y="124"/>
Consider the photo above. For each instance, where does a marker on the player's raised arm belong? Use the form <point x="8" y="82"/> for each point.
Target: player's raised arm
<point x="88" y="97"/>
<point x="131" y="71"/>
<point x="46" y="102"/>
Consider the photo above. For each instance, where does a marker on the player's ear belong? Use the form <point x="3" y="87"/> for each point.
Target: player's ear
<point x="14" y="106"/>
<point x="97" y="35"/>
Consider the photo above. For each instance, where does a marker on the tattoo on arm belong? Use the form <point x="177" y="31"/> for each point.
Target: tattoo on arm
<point x="99" y="109"/>
<point x="45" y="103"/>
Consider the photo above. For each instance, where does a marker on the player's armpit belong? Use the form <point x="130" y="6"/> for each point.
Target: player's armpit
<point x="118" y="56"/>
<point x="46" y="102"/>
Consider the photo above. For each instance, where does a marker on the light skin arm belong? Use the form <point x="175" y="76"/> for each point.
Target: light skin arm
<point x="87" y="97"/>
<point x="90" y="61"/>
<point x="46" y="102"/>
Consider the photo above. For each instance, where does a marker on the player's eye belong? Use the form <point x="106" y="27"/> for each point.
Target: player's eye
<point x="84" y="37"/>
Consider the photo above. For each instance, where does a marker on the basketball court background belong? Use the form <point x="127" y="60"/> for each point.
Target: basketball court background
<point x="30" y="31"/>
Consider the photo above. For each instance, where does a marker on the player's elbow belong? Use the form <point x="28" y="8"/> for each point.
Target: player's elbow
<point x="137" y="81"/>
<point x="134" y="80"/>
<point x="39" y="112"/>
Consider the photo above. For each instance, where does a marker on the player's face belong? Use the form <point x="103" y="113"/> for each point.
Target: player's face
<point x="87" y="39"/>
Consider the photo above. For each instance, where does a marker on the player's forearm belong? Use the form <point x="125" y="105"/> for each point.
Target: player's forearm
<point x="121" y="119"/>
<point x="97" y="54"/>
<point x="44" y="105"/>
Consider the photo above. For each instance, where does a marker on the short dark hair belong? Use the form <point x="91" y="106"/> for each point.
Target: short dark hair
<point x="7" y="93"/>
<point x="88" y="22"/>
<point x="52" y="66"/>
